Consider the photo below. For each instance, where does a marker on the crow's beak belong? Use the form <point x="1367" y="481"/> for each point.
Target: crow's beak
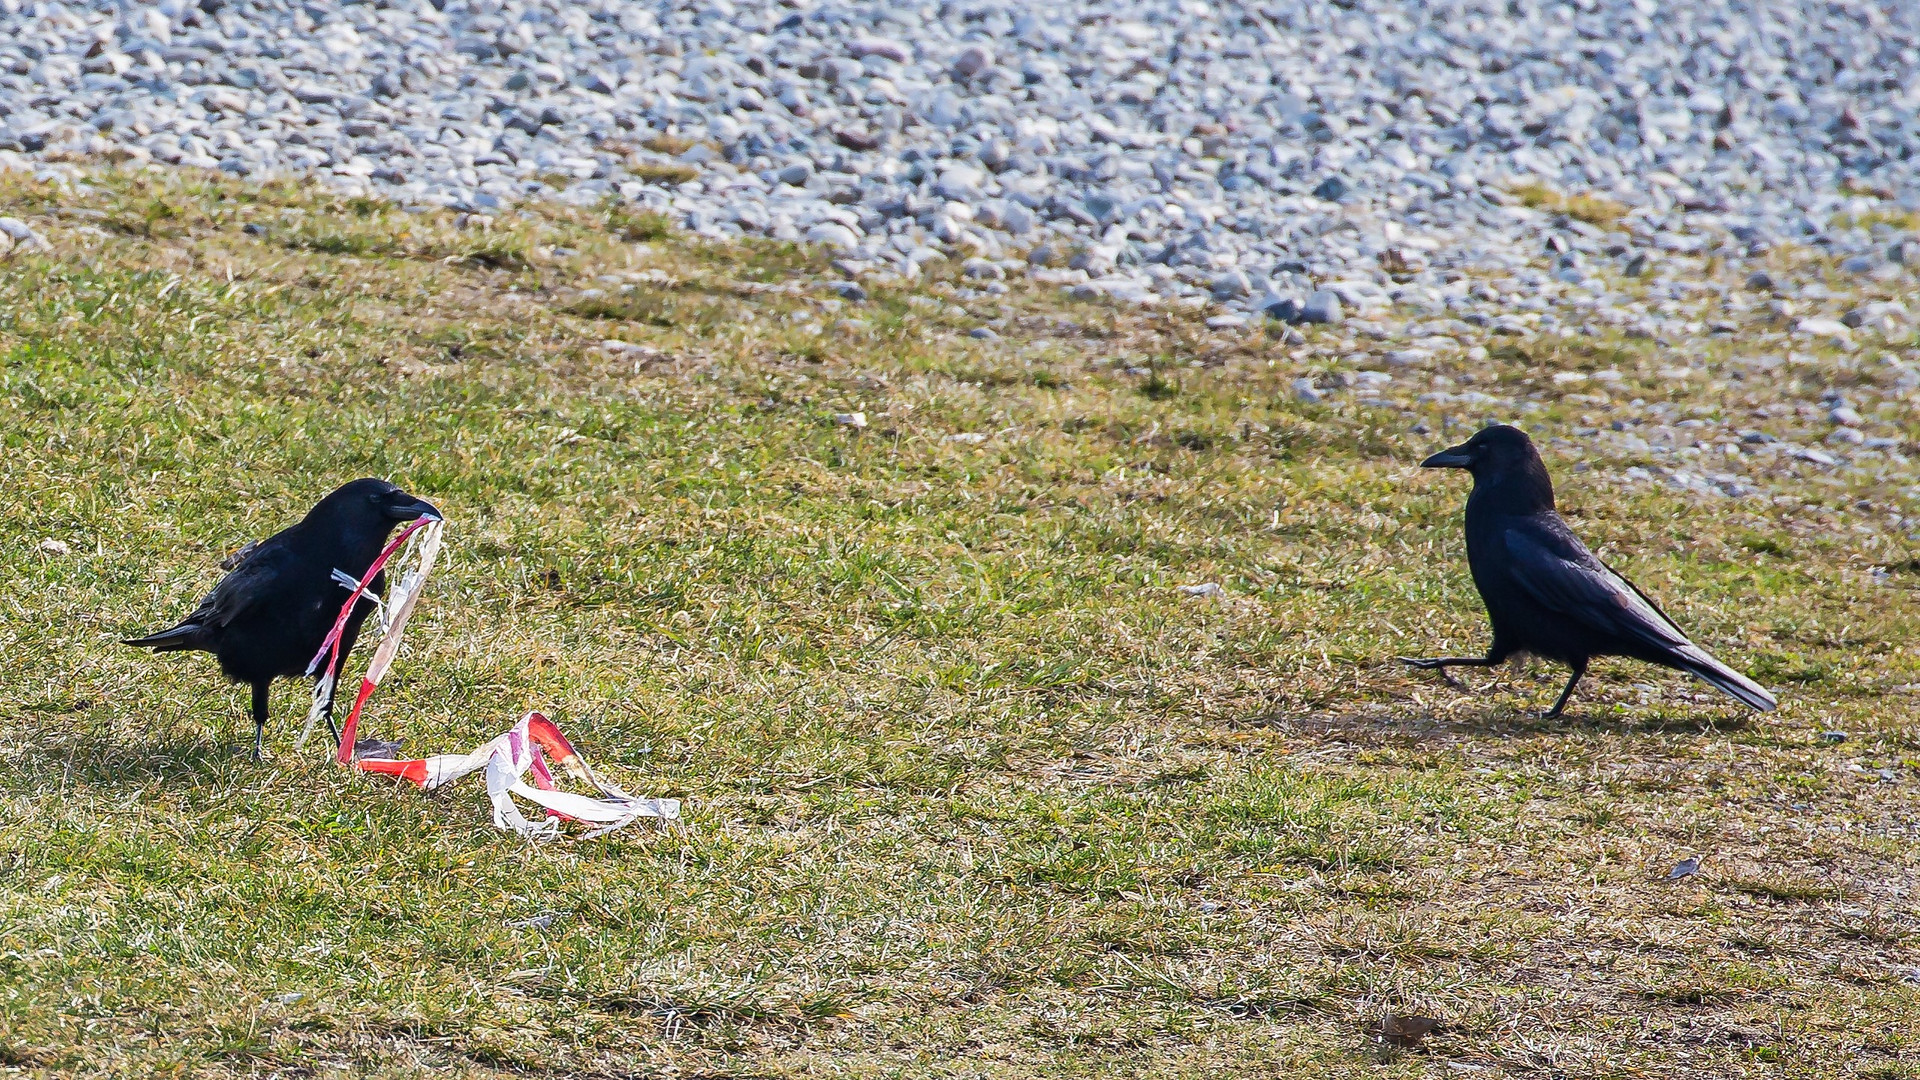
<point x="1453" y="457"/>
<point x="414" y="509"/>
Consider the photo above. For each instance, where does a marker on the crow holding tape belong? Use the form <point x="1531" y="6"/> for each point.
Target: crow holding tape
<point x="269" y="616"/>
<point x="1546" y="594"/>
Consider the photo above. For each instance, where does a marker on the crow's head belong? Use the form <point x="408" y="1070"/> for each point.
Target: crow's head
<point x="375" y="501"/>
<point x="1492" y="449"/>
<point x="1501" y="458"/>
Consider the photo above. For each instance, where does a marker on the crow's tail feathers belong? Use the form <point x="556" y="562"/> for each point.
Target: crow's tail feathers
<point x="184" y="636"/>
<point x="1695" y="659"/>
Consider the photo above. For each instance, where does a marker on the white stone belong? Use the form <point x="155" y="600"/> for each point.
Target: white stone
<point x="886" y="48"/>
<point x="833" y="234"/>
<point x="1820" y="327"/>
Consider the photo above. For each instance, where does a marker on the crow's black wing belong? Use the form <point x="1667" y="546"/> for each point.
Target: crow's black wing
<point x="256" y="572"/>
<point x="260" y="576"/>
<point x="1558" y="571"/>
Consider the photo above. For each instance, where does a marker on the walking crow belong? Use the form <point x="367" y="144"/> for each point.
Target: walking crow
<point x="267" y="618"/>
<point x="1546" y="594"/>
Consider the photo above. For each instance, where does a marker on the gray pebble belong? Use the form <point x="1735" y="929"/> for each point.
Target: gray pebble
<point x="1322" y="306"/>
<point x="1332" y="189"/>
<point x="1285" y="308"/>
<point x="1231" y="284"/>
<point x="972" y="60"/>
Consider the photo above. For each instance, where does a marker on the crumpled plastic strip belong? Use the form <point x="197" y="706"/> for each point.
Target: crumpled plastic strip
<point x="509" y="758"/>
<point x="399" y="608"/>
<point x="393" y="620"/>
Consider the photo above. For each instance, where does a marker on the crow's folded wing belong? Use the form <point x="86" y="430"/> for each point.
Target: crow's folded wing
<point x="261" y="574"/>
<point x="1553" y="567"/>
<point x="1560" y="573"/>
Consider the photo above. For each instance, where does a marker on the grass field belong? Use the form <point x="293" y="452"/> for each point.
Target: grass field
<point x="973" y="788"/>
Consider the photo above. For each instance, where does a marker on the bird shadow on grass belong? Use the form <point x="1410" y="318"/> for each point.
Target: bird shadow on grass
<point x="93" y="757"/>
<point x="1407" y="723"/>
<point x="1497" y="720"/>
<point x="1506" y="708"/>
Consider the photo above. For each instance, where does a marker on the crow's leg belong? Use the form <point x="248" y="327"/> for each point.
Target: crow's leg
<point x="1579" y="670"/>
<point x="326" y="710"/>
<point x="332" y="724"/>
<point x="1442" y="663"/>
<point x="260" y="716"/>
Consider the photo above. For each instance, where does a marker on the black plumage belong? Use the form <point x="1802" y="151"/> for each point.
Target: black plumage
<point x="268" y="617"/>
<point x="1546" y="594"/>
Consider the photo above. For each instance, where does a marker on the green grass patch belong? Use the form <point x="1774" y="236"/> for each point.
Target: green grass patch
<point x="663" y="172"/>
<point x="973" y="787"/>
<point x="1592" y="209"/>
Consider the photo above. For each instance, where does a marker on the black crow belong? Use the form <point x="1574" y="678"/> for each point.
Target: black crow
<point x="268" y="617"/>
<point x="1546" y="594"/>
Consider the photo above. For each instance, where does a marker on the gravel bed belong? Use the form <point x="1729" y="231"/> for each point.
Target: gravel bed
<point x="1420" y="180"/>
<point x="1309" y="160"/>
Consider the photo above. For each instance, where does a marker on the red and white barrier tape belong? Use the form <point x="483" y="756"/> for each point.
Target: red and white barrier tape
<point x="507" y="758"/>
